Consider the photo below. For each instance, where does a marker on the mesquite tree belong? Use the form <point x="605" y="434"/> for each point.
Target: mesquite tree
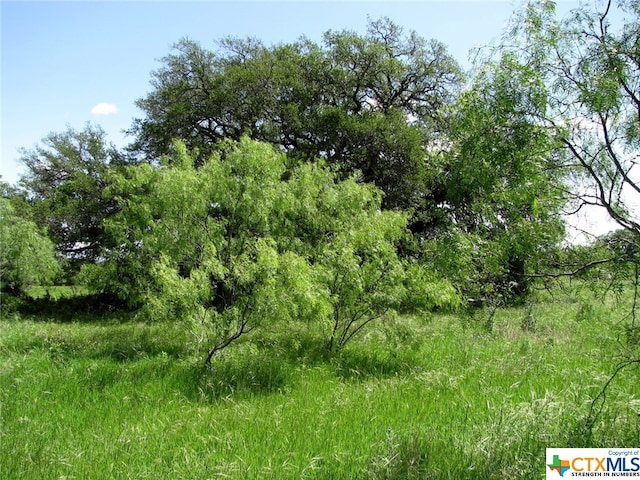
<point x="242" y="240"/>
<point x="590" y="65"/>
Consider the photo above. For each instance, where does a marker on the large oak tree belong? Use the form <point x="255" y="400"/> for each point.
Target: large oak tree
<point x="369" y="103"/>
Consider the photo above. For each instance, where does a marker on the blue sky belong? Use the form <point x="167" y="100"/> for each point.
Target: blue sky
<point x="61" y="60"/>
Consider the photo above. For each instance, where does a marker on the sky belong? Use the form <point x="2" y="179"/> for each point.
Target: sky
<point x="69" y="63"/>
<point x="64" y="64"/>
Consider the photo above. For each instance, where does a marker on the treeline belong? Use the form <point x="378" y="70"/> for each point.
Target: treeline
<point x="338" y="182"/>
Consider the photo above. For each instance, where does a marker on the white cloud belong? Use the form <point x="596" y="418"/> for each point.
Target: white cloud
<point x="104" y="108"/>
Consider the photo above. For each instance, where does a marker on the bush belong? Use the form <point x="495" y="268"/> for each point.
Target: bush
<point x="27" y="257"/>
<point x="242" y="240"/>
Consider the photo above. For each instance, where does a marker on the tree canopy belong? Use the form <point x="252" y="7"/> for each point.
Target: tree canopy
<point x="27" y="256"/>
<point x="501" y="192"/>
<point x="65" y="180"/>
<point x="366" y="103"/>
<point x="242" y="240"/>
<point x="589" y="64"/>
<point x="389" y="107"/>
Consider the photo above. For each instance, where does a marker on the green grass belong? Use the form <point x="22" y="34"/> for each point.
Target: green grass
<point x="451" y="396"/>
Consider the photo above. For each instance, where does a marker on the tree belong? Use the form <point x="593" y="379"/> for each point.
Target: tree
<point x="64" y="183"/>
<point x="592" y="73"/>
<point x="27" y="257"/>
<point x="501" y="193"/>
<point x="367" y="104"/>
<point x="242" y="240"/>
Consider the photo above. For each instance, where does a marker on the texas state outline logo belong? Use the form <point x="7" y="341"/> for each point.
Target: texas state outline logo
<point x="560" y="466"/>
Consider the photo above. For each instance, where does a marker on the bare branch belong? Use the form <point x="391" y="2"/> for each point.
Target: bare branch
<point x="570" y="273"/>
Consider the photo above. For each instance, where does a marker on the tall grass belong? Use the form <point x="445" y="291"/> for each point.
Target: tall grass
<point x="443" y="397"/>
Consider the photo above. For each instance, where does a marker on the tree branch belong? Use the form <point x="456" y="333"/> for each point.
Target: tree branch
<point x="581" y="268"/>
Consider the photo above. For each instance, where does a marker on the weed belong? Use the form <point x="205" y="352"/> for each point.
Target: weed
<point x="528" y="322"/>
<point x="585" y="313"/>
<point x="405" y="456"/>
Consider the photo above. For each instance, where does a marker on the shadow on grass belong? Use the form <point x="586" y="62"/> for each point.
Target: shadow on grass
<point x="259" y="368"/>
<point x="127" y="344"/>
<point x="243" y="372"/>
<point x="362" y="363"/>
<point x="120" y="342"/>
<point x="95" y="327"/>
<point x="226" y="378"/>
<point x="78" y="308"/>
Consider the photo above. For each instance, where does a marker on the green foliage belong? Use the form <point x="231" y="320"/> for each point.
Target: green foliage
<point x="65" y="179"/>
<point x="502" y="192"/>
<point x="362" y="274"/>
<point x="591" y="104"/>
<point x="366" y="103"/>
<point x="242" y="240"/>
<point x="217" y="235"/>
<point x="27" y="256"/>
<point x="428" y="292"/>
<point x="381" y="106"/>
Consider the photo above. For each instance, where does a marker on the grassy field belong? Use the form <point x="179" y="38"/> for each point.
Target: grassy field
<point x="87" y="396"/>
